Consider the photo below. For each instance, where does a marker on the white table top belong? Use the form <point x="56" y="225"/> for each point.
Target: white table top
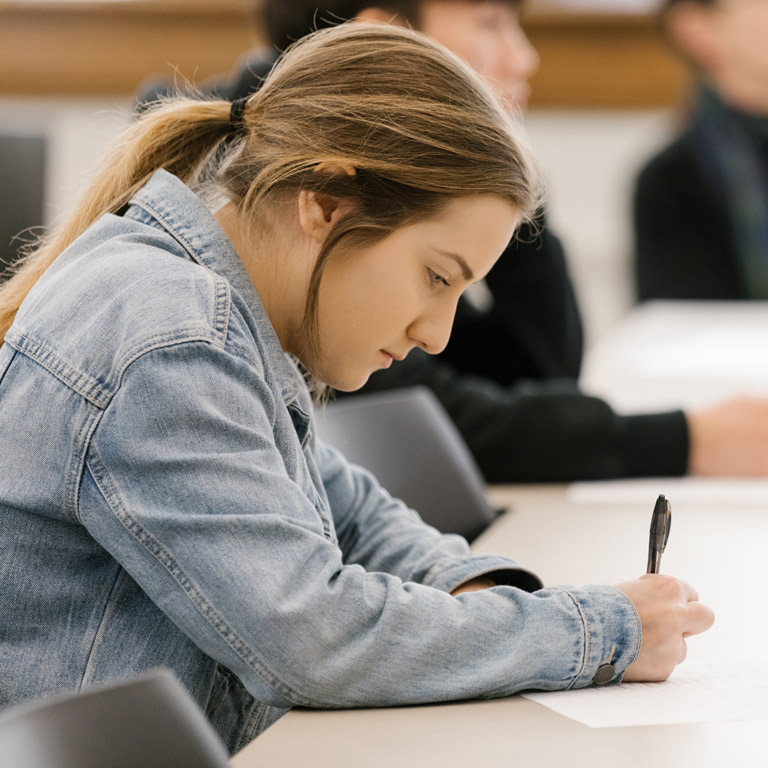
<point x="664" y="356"/>
<point x="565" y="543"/>
<point x="687" y="354"/>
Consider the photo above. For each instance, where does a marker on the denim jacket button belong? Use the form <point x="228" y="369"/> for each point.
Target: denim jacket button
<point x="605" y="673"/>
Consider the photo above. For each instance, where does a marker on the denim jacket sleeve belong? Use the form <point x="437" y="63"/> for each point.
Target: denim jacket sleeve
<point x="382" y="534"/>
<point x="185" y="486"/>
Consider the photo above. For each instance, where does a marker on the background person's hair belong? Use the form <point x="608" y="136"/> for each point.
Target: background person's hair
<point x="289" y="20"/>
<point x="414" y="121"/>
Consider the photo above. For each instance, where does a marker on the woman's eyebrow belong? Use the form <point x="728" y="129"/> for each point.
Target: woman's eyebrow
<point x="466" y="272"/>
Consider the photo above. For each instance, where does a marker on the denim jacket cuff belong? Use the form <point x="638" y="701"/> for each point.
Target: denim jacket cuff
<point x="612" y="633"/>
<point x="449" y="574"/>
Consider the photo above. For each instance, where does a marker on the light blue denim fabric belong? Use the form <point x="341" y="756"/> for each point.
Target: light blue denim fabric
<point x="164" y="503"/>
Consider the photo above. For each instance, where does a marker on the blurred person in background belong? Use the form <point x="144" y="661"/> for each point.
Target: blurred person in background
<point x="520" y="409"/>
<point x="701" y="204"/>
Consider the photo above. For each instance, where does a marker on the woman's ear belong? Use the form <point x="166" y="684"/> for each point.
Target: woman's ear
<point x="319" y="211"/>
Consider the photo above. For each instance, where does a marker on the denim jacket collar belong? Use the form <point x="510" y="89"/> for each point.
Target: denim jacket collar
<point x="174" y="208"/>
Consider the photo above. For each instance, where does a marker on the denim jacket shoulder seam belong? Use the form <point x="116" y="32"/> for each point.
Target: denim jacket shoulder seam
<point x="192" y="591"/>
<point x="222" y="307"/>
<point x="222" y="294"/>
<point x="76" y="466"/>
<point x="160" y="341"/>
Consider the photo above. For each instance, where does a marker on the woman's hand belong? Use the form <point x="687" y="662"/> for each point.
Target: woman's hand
<point x="474" y="585"/>
<point x="669" y="611"/>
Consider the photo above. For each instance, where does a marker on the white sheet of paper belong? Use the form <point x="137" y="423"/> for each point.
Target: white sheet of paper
<point x="705" y="353"/>
<point x="697" y="692"/>
<point x="698" y="491"/>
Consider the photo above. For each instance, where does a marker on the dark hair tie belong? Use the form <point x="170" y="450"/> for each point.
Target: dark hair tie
<point x="236" y="113"/>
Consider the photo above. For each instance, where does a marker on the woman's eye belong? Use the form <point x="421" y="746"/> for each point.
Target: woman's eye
<point x="435" y="279"/>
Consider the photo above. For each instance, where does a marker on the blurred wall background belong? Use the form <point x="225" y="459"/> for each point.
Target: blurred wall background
<point x="607" y="95"/>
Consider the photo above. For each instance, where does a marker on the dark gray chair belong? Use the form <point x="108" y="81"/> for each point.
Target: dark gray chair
<point x="408" y="441"/>
<point x="22" y="191"/>
<point x="148" y="722"/>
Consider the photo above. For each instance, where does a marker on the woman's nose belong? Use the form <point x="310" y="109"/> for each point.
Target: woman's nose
<point x="432" y="331"/>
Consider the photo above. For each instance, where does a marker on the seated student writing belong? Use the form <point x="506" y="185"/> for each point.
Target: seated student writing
<point x="165" y="502"/>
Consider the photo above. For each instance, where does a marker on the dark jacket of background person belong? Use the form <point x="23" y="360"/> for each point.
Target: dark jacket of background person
<point x="701" y="204"/>
<point x="685" y="236"/>
<point x="508" y="377"/>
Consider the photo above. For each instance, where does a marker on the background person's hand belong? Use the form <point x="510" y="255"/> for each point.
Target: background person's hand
<point x="669" y="611"/>
<point x="730" y="439"/>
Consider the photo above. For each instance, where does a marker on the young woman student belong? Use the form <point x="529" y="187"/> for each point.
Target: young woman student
<point x="164" y="500"/>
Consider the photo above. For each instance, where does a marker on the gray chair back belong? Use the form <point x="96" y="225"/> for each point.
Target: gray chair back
<point x="22" y="191"/>
<point x="408" y="441"/>
<point x="147" y="722"/>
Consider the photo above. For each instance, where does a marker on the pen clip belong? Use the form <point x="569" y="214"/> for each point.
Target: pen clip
<point x="661" y="523"/>
<point x="667" y="522"/>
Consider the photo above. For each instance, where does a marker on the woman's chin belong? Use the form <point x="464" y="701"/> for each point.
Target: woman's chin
<point x="347" y="381"/>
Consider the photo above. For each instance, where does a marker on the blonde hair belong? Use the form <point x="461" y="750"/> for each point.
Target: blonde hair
<point x="415" y="122"/>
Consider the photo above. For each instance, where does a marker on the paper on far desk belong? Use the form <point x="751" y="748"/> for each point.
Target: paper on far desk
<point x="699" y="491"/>
<point x="697" y="692"/>
<point x="711" y="352"/>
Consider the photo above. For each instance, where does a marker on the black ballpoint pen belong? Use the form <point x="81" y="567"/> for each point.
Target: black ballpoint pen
<point x="661" y="522"/>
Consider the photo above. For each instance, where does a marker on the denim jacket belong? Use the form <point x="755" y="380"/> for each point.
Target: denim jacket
<point x="164" y="503"/>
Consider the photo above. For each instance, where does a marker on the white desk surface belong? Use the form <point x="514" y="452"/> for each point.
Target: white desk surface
<point x="565" y="543"/>
<point x="664" y="355"/>
<point x="670" y="354"/>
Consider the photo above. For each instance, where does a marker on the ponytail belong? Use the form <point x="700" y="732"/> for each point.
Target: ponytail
<point x="177" y="136"/>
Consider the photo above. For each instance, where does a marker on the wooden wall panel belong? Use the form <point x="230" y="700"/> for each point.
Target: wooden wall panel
<point x="66" y="47"/>
<point x="598" y="60"/>
<point x="88" y="48"/>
